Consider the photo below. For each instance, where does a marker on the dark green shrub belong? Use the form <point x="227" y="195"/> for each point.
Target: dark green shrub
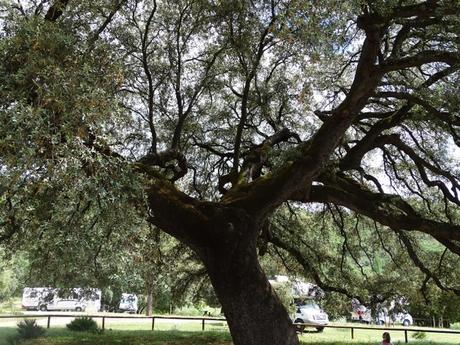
<point x="28" y="329"/>
<point x="83" y="324"/>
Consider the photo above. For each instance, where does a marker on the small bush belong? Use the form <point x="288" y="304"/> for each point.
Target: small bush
<point x="419" y="335"/>
<point x="28" y="329"/>
<point x="83" y="324"/>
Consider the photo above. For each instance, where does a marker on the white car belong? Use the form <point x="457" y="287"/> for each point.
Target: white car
<point x="312" y="314"/>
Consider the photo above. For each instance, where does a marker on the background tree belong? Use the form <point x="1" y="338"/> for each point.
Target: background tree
<point x="204" y="117"/>
<point x="13" y="271"/>
<point x="350" y="257"/>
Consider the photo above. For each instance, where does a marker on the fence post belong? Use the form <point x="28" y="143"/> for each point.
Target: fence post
<point x="49" y="321"/>
<point x="103" y="322"/>
<point x="352" y="333"/>
<point x="202" y="325"/>
<point x="153" y="323"/>
<point x="405" y="336"/>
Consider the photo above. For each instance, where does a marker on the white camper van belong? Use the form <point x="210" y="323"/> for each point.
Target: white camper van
<point x="383" y="316"/>
<point x="32" y="298"/>
<point x="403" y="318"/>
<point x="310" y="313"/>
<point x="304" y="295"/>
<point x="76" y="299"/>
<point x="128" y="303"/>
<point x="91" y="297"/>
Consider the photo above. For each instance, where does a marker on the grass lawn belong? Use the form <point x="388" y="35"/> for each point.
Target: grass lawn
<point x="134" y="338"/>
<point x="343" y="336"/>
<point x="61" y="336"/>
<point x="168" y="332"/>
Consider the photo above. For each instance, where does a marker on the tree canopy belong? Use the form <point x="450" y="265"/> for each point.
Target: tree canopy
<point x="203" y="118"/>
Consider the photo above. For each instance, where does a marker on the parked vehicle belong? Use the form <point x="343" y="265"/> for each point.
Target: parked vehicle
<point x="303" y="291"/>
<point x="32" y="298"/>
<point x="311" y="313"/>
<point x="91" y="297"/>
<point x="402" y="318"/>
<point x="67" y="304"/>
<point x="76" y="299"/>
<point x="303" y="296"/>
<point x="361" y="313"/>
<point x="128" y="303"/>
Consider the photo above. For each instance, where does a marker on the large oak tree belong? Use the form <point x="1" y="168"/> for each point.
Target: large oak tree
<point x="204" y="117"/>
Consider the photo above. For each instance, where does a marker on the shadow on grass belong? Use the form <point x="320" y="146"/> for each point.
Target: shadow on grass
<point x="62" y="336"/>
<point x="6" y="332"/>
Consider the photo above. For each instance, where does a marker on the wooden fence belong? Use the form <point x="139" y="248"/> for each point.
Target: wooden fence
<point x="104" y="317"/>
<point x="203" y="320"/>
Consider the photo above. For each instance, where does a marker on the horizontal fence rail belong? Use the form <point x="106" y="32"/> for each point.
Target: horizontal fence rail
<point x="104" y="317"/>
<point x="203" y="320"/>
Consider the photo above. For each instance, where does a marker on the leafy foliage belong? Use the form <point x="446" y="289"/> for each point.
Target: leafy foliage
<point x="202" y="118"/>
<point x="83" y="324"/>
<point x="13" y="270"/>
<point x="284" y="293"/>
<point x="28" y="329"/>
<point x="351" y="258"/>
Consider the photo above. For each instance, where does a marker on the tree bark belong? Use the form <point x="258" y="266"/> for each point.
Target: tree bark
<point x="225" y="239"/>
<point x="254" y="313"/>
<point x="149" y="306"/>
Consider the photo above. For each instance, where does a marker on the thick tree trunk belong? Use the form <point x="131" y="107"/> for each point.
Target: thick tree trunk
<point x="254" y="313"/>
<point x="225" y="239"/>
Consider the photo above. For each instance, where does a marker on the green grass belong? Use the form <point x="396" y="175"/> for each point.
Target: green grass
<point x="334" y="335"/>
<point x="60" y="336"/>
<point x="5" y="332"/>
<point x="138" y="332"/>
<point x="171" y="334"/>
<point x="343" y="336"/>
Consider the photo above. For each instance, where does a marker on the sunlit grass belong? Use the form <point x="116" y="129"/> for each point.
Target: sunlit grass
<point x="343" y="336"/>
<point x="122" y="332"/>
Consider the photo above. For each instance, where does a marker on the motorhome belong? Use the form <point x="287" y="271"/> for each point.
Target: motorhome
<point x="304" y="296"/>
<point x="310" y="313"/>
<point x="75" y="299"/>
<point x="403" y="318"/>
<point x="32" y="298"/>
<point x="91" y="297"/>
<point x="361" y="313"/>
<point x="128" y="303"/>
